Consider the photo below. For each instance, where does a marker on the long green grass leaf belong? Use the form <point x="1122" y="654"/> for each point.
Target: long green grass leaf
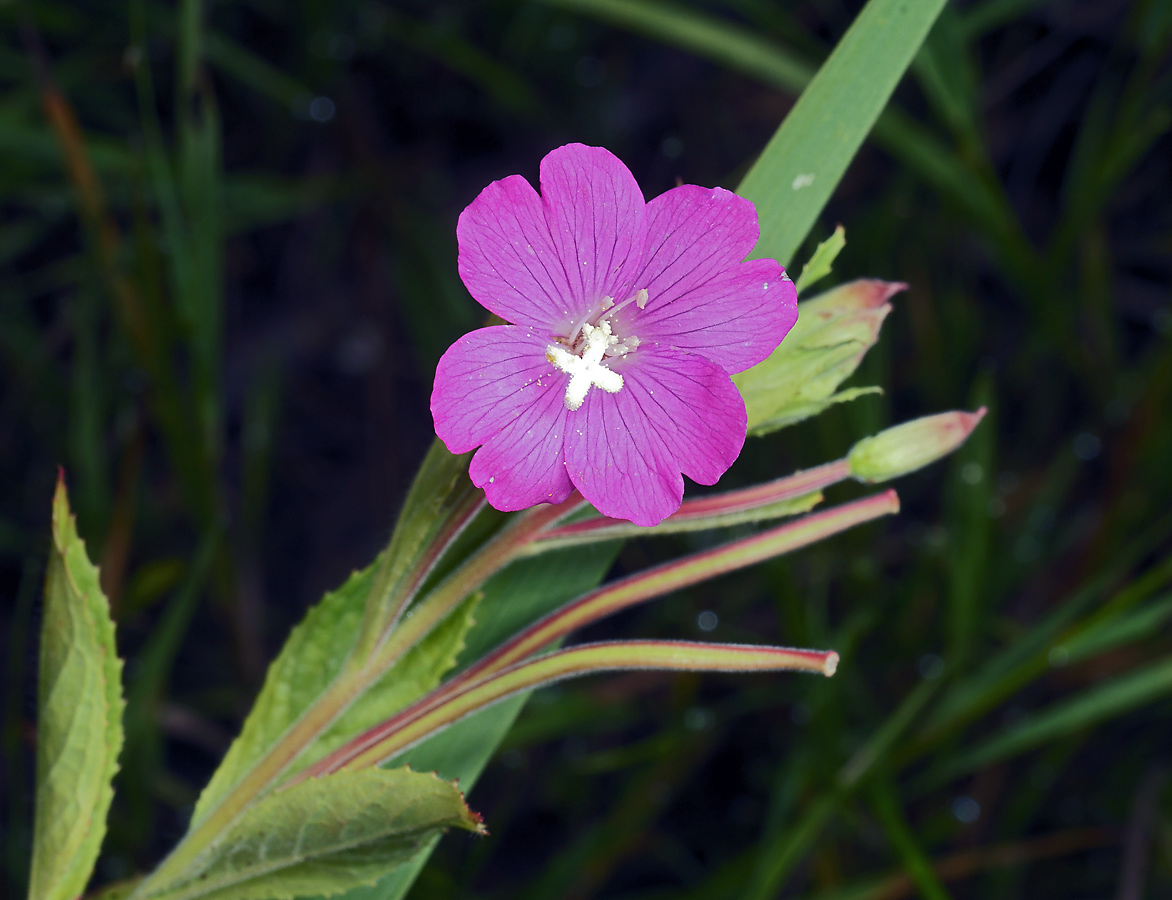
<point x="718" y="40"/>
<point x="1116" y="697"/>
<point x="809" y="154"/>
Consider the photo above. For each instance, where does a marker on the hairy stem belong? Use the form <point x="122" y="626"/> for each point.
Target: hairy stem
<point x="710" y="511"/>
<point x="585" y="660"/>
<point x="621" y="594"/>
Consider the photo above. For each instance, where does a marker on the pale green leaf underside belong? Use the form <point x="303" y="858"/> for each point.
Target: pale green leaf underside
<point x="324" y="836"/>
<point x="314" y="655"/>
<point x="800" y="410"/>
<point x="79" y="721"/>
<point x="799" y="380"/>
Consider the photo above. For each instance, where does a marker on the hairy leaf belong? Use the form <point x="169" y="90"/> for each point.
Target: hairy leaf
<point x="324" y="836"/>
<point x="315" y="654"/>
<point x="79" y="721"/>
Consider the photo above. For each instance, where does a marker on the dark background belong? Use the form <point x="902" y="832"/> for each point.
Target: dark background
<point x="275" y="390"/>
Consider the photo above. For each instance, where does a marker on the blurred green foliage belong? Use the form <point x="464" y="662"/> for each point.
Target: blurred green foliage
<point x="227" y="269"/>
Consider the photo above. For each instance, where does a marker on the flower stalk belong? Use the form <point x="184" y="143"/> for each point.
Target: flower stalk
<point x="772" y="499"/>
<point x="617" y="596"/>
<point x="687" y="656"/>
<point x="419" y="620"/>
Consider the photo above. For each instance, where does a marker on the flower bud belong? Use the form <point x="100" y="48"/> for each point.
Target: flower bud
<point x="911" y="446"/>
<point x="833" y="332"/>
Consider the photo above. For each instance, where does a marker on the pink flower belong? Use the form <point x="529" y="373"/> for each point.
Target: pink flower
<point x="626" y="320"/>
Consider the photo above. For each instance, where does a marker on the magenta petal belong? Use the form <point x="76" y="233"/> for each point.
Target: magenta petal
<point x="508" y="259"/>
<point x="487" y="380"/>
<point x="692" y="404"/>
<point x="695" y="232"/>
<point x="620" y="462"/>
<point x="523" y="464"/>
<point x="702" y="298"/>
<point x="598" y="219"/>
<point x="736" y="319"/>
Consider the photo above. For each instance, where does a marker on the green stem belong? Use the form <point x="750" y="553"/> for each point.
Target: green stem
<point x="437" y="605"/>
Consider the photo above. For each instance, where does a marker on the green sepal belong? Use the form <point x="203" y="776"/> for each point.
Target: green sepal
<point x="324" y="836"/>
<point x="800" y="411"/>
<point x="819" y="265"/>
<point x="79" y="719"/>
<point x="801" y="377"/>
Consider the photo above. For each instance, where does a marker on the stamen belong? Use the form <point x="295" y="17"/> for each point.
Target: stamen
<point x="639" y="298"/>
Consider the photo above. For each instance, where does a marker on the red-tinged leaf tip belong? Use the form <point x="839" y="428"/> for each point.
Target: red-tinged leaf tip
<point x="885" y="290"/>
<point x="860" y="294"/>
<point x="830" y="664"/>
<point x="971" y="420"/>
<point x="477" y="818"/>
<point x="874" y="293"/>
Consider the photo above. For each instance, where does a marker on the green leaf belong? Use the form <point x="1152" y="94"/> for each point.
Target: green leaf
<point x="807" y="157"/>
<point x="418" y="672"/>
<point x="440" y="488"/>
<point x="906" y="843"/>
<point x="315" y="654"/>
<point x="1114" y="698"/>
<point x="819" y="265"/>
<point x="324" y="836"/>
<point x="79" y="723"/>
<point x="1142" y="624"/>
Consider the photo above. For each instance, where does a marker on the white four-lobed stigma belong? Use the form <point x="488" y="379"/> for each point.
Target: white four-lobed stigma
<point x="587" y="370"/>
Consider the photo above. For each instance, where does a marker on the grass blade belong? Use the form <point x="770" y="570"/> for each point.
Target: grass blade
<point x="803" y="163"/>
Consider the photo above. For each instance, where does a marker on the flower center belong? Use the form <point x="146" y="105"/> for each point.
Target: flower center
<point x="583" y="354"/>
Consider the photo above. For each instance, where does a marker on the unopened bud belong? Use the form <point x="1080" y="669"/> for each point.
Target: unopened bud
<point x="911" y="446"/>
<point x="833" y="332"/>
